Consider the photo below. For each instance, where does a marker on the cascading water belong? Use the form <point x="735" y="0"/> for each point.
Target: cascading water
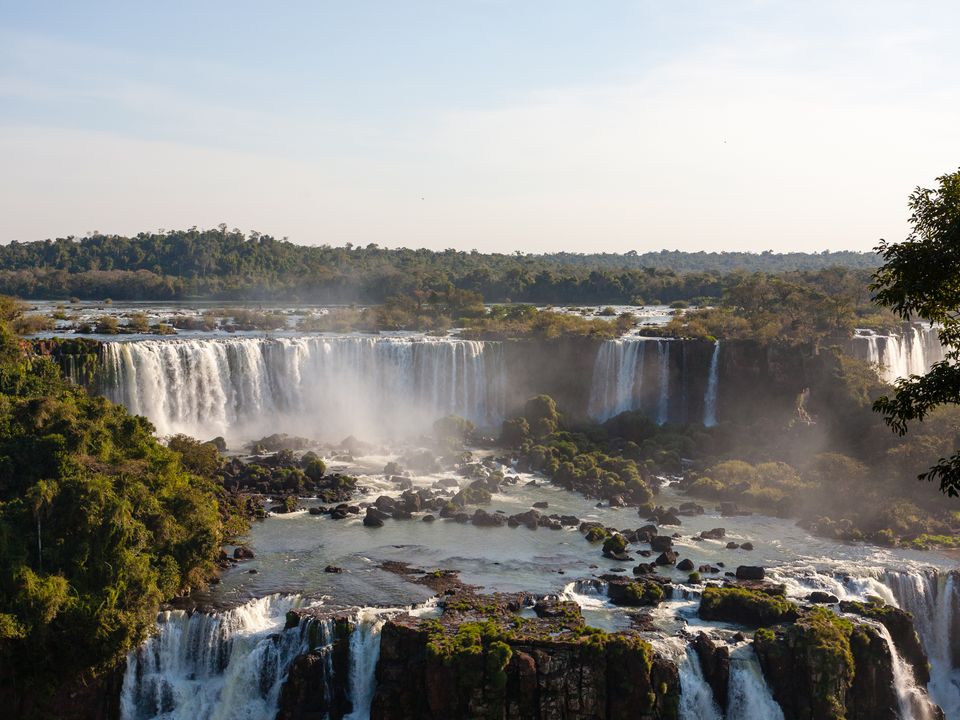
<point x="364" y="653"/>
<point x="322" y="386"/>
<point x="934" y="601"/>
<point x="213" y="666"/>
<point x="748" y="696"/>
<point x="696" y="697"/>
<point x="617" y="377"/>
<point x="912" y="700"/>
<point x="710" y="399"/>
<point x="911" y="352"/>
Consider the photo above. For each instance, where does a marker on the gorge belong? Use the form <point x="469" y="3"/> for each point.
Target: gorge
<point x="282" y="636"/>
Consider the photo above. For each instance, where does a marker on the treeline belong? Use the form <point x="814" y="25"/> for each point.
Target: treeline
<point x="231" y="265"/>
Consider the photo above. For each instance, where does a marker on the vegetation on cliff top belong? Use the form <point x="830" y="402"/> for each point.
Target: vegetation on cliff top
<point x="100" y="524"/>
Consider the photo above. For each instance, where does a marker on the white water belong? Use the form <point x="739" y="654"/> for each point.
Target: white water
<point x="912" y="701"/>
<point x="364" y="653"/>
<point x="318" y="386"/>
<point x="749" y="697"/>
<point x="934" y="601"/>
<point x="696" y="696"/>
<point x="911" y="352"/>
<point x="710" y="399"/>
<point x="213" y="666"/>
<point x="617" y="377"/>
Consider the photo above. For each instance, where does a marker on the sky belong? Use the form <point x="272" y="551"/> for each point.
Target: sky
<point x="496" y="125"/>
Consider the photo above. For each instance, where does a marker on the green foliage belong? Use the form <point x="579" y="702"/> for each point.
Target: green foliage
<point x="99" y="523"/>
<point x="920" y="278"/>
<point x="753" y="608"/>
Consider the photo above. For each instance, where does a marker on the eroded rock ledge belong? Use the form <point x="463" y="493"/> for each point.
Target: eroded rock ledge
<point x="485" y="657"/>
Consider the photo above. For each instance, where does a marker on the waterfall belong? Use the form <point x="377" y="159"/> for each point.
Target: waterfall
<point x="913" y="351"/>
<point x="912" y="700"/>
<point x="696" y="696"/>
<point x="934" y="601"/>
<point x="617" y="378"/>
<point x="749" y="697"/>
<point x="317" y="386"/>
<point x="214" y="666"/>
<point x="364" y="653"/>
<point x="710" y="399"/>
<point x="663" y="402"/>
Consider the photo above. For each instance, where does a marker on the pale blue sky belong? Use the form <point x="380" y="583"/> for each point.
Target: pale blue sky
<point x="488" y="124"/>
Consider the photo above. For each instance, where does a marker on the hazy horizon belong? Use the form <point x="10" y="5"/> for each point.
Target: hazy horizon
<point x="541" y="127"/>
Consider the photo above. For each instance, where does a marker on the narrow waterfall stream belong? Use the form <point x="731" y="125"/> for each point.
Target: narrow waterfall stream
<point x="749" y="696"/>
<point x="713" y="380"/>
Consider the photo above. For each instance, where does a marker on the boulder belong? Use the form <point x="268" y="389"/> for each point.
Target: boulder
<point x="372" y="521"/>
<point x="661" y="543"/>
<point x="428" y="518"/>
<point x="333" y="569"/>
<point x="481" y="518"/>
<point x="746" y="546"/>
<point x="242" y="553"/>
<point x="686" y="565"/>
<point x="750" y="572"/>
<point x="732" y="545"/>
<point x="668" y="557"/>
<point x="821" y="597"/>
<point x="542" y="504"/>
<point x="714" y="534"/>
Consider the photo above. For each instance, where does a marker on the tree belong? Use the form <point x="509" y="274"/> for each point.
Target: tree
<point x="920" y="279"/>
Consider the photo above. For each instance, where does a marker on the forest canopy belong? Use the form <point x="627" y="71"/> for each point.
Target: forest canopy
<point x="221" y="264"/>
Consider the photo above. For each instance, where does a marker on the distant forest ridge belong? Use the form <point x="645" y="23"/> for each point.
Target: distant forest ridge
<point x="231" y="265"/>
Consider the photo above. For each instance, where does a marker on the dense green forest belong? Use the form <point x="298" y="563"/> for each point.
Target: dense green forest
<point x="99" y="524"/>
<point x="224" y="264"/>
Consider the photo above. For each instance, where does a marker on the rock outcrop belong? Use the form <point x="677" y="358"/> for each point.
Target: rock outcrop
<point x="481" y="659"/>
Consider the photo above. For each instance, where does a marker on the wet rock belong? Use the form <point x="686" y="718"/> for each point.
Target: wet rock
<point x="750" y="572"/>
<point x="333" y="569"/>
<point x="316" y="511"/>
<point x="253" y="571"/>
<point x="667" y="557"/>
<point x="690" y="508"/>
<point x="372" y="521"/>
<point x="404" y="483"/>
<point x="447" y="483"/>
<point x="377" y="513"/>
<point x="461" y="518"/>
<point x="569" y="520"/>
<point x="746" y="546"/>
<point x="385" y="503"/>
<point x="818" y="596"/>
<point x="708" y="569"/>
<point x="530" y="518"/>
<point x="542" y="504"/>
<point x="732" y="545"/>
<point x="730" y="509"/>
<point x="428" y="518"/>
<point x="661" y="543"/>
<point x="714" y="534"/>
<point x="715" y="664"/>
<point x="481" y="518"/>
<point x="645" y="569"/>
<point x="686" y="565"/>
<point x="242" y="553"/>
<point x="401" y="514"/>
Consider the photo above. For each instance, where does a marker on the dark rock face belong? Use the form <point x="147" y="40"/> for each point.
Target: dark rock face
<point x="824" y="666"/>
<point x="900" y="625"/>
<point x="715" y="663"/>
<point x="547" y="670"/>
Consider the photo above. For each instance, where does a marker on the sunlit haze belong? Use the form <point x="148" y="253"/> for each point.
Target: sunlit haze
<point x="494" y="125"/>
